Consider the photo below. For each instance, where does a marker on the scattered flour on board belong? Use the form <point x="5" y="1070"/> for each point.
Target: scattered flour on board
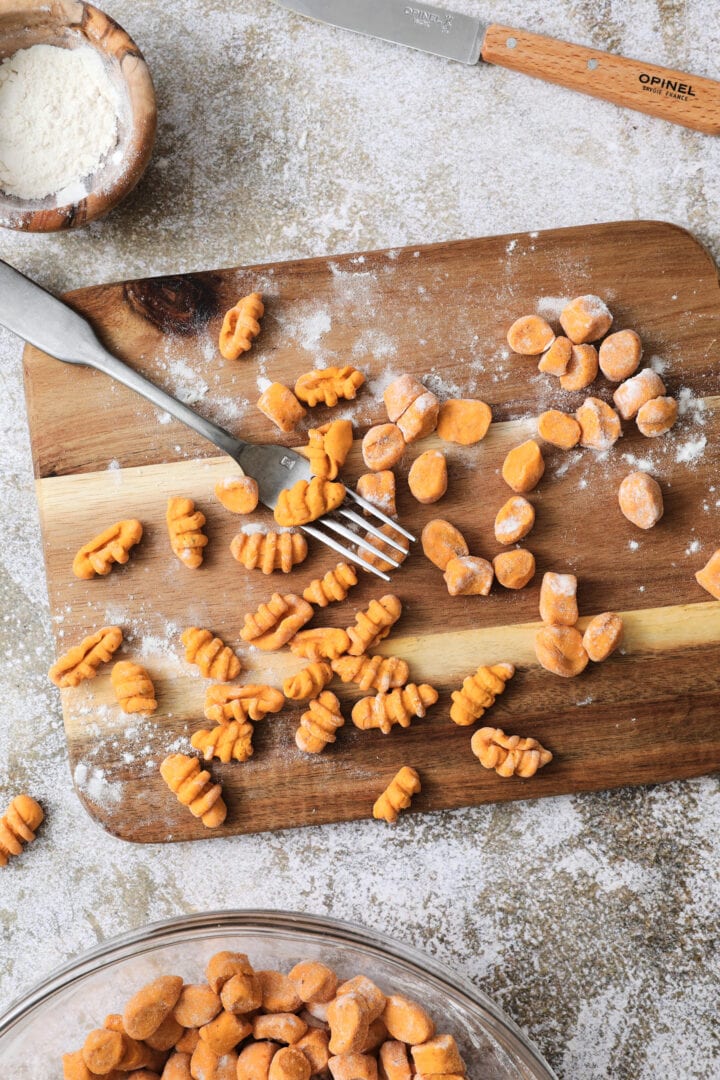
<point x="691" y="451"/>
<point x="185" y="383"/>
<point x="550" y="307"/>
<point x="691" y="405"/>
<point x="94" y="785"/>
<point x="658" y="364"/>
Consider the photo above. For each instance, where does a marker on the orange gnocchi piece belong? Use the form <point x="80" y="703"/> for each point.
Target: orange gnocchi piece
<point x="559" y="429"/>
<point x="602" y="636"/>
<point x="378" y="488"/>
<point x="314" y="1045"/>
<point x="223" y="1033"/>
<point x="284" y="1027"/>
<point x="328" y="446"/>
<point x="428" y="477"/>
<point x="400" y="394"/>
<point x="530" y="335"/>
<point x="406" y="1020"/>
<point x="314" y="981"/>
<point x="278" y="993"/>
<point x="375" y="558"/>
<point x="469" y="575"/>
<point x="442" y="542"/>
<point x="238" y="494"/>
<point x="558" y="599"/>
<point x="514" y="569"/>
<point x="349" y="1019"/>
<point x="210" y="654"/>
<point x="514" y="520"/>
<point x="276" y="622"/>
<point x="657" y="416"/>
<point x="254" y="1061"/>
<point x="319" y="724"/>
<point x="281" y="406"/>
<point x="382" y="447"/>
<point x="412" y="407"/>
<point x="582" y="368"/>
<point x="326" y="386"/>
<point x="524" y="466"/>
<point x="631" y="395"/>
<point x="438" y="1057"/>
<point x="508" y="755"/>
<point x="320" y="643"/>
<point x="420" y="418"/>
<point x="464" y="421"/>
<point x="586" y="318"/>
<point x="394" y="1062"/>
<point x="289" y="1064"/>
<point x="560" y="649"/>
<point x="641" y="500"/>
<point x="133" y="688"/>
<point x="241" y="326"/>
<point x="82" y="661"/>
<point x="374" y="624"/>
<point x="308" y="682"/>
<point x="112" y="546"/>
<point x="306" y="501"/>
<point x="194" y="789"/>
<point x="620" y="355"/>
<point x="185" y="525"/>
<point x="709" y="577"/>
<point x="599" y="424"/>
<point x="353" y="1067"/>
<point x="397" y="796"/>
<point x="269" y="551"/>
<point x="557" y="357"/>
<point x="103" y="1051"/>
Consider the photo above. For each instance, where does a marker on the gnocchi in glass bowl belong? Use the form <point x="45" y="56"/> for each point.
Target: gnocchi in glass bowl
<point x="55" y="1016"/>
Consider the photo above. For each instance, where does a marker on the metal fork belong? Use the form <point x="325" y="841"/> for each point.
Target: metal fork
<point x="50" y="325"/>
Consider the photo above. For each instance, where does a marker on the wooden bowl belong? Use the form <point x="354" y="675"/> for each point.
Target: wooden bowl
<point x="69" y="24"/>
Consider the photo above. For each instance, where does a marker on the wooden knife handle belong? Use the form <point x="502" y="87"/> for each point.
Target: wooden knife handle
<point x="683" y="99"/>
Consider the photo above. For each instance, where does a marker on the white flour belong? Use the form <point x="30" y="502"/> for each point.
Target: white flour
<point x="59" y="120"/>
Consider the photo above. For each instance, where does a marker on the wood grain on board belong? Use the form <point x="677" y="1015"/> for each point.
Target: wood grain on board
<point x="648" y="714"/>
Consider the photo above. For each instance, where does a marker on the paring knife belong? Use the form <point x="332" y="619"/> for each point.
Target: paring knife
<point x="689" y="100"/>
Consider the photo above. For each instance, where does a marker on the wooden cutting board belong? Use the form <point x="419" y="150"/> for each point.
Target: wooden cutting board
<point x="649" y="714"/>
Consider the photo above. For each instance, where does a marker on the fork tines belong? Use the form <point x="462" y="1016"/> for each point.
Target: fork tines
<point x="352" y="537"/>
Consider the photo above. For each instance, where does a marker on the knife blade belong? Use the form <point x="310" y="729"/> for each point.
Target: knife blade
<point x="690" y="100"/>
<point x="419" y="26"/>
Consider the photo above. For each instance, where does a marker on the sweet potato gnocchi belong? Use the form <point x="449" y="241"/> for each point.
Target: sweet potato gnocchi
<point x="310" y="1022"/>
<point x="269" y="551"/>
<point x="306" y="501"/>
<point x="464" y="421"/>
<point x="327" y="386"/>
<point x="241" y="326"/>
<point x="111" y="546"/>
<point x="281" y="406"/>
<point x="397" y="796"/>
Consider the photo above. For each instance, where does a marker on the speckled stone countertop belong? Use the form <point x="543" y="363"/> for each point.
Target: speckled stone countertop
<point x="592" y="920"/>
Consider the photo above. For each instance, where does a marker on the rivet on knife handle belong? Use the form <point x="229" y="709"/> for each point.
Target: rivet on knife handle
<point x="689" y="100"/>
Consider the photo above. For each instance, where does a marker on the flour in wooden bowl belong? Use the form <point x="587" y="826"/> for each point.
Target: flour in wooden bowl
<point x="59" y="113"/>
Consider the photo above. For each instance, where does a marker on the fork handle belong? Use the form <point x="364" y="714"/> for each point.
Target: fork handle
<point x="56" y="329"/>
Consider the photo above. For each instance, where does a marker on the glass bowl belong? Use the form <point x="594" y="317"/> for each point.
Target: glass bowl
<point x="57" y="1014"/>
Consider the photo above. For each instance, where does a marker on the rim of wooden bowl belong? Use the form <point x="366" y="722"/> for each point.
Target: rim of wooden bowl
<point x="33" y="22"/>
